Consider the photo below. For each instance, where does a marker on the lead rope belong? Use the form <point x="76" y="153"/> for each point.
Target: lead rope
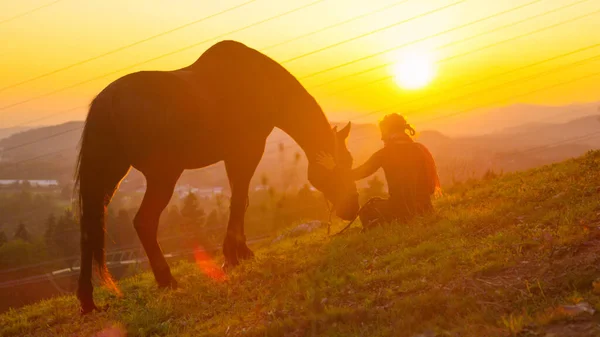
<point x="356" y="217"/>
<point x="330" y="213"/>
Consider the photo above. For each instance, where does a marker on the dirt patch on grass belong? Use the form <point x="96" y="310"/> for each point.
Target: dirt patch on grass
<point x="580" y="327"/>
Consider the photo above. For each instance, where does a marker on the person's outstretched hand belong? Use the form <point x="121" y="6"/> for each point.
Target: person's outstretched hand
<point x="326" y="160"/>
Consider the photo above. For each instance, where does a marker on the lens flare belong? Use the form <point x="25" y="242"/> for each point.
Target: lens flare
<point x="208" y="266"/>
<point x="113" y="331"/>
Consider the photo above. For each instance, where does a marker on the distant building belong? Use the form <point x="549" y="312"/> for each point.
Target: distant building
<point x="34" y="183"/>
<point x="183" y="190"/>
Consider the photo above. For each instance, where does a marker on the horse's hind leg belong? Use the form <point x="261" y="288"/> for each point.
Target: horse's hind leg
<point x="158" y="193"/>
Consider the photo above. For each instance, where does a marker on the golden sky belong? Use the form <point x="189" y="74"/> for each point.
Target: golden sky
<point x="73" y="30"/>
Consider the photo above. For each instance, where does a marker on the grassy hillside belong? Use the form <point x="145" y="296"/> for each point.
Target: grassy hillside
<point x="502" y="256"/>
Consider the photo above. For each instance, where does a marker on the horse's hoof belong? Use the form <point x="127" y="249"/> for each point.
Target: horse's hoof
<point x="87" y="308"/>
<point x="245" y="253"/>
<point x="172" y="284"/>
<point x="227" y="267"/>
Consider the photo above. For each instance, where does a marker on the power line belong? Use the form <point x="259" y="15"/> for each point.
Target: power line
<point x="515" y="81"/>
<point x="378" y="30"/>
<point x="17" y="16"/>
<point x="382" y="9"/>
<point x="336" y="25"/>
<point x="568" y="140"/>
<point x="41" y="139"/>
<point x="442" y="91"/>
<point x="51" y="115"/>
<point x="162" y="55"/>
<point x="127" y="46"/>
<point x="455" y="98"/>
<point x="15" y="165"/>
<point x="504" y="99"/>
<point x="193" y="45"/>
<point x="469" y="83"/>
<point x="490" y="46"/>
<point x="195" y="22"/>
<point x="578" y="138"/>
<point x="352" y="19"/>
<point x="357" y="60"/>
<point x="452" y="99"/>
<point x="309" y="4"/>
<point x="450" y="30"/>
<point x="515" y="96"/>
<point x="496" y="29"/>
<point x="426" y="121"/>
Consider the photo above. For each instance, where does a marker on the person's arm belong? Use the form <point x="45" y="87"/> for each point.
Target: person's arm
<point x="368" y="168"/>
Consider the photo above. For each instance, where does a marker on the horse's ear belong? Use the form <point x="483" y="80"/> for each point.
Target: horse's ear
<point x="334" y="129"/>
<point x="343" y="134"/>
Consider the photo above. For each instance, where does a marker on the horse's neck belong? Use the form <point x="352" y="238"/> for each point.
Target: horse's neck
<point x="309" y="128"/>
<point x="292" y="108"/>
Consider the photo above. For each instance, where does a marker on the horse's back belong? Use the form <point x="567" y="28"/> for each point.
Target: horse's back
<point x="157" y="112"/>
<point x="210" y="107"/>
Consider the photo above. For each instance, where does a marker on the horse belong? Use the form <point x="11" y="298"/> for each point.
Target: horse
<point x="222" y="107"/>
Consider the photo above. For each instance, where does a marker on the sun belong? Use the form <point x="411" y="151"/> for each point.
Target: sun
<point x="414" y="70"/>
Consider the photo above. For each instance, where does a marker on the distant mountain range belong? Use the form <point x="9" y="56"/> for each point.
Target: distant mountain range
<point x="497" y="120"/>
<point x="6" y="132"/>
<point x="49" y="152"/>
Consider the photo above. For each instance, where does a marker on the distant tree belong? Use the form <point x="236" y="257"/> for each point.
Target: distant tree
<point x="24" y="198"/>
<point x="18" y="253"/>
<point x="67" y="221"/>
<point x="3" y="238"/>
<point x="490" y="174"/>
<point x="67" y="233"/>
<point x="22" y="233"/>
<point x="123" y="219"/>
<point x="213" y="219"/>
<point x="66" y="191"/>
<point x="220" y="201"/>
<point x="50" y="233"/>
<point x="191" y="211"/>
<point x="120" y="229"/>
<point x="173" y="218"/>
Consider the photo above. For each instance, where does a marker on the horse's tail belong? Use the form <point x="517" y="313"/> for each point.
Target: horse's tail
<point x="99" y="169"/>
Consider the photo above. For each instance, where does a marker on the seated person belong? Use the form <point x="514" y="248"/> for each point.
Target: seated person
<point x="410" y="172"/>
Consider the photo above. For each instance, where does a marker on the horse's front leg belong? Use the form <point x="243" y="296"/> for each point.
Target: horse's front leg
<point x="240" y="170"/>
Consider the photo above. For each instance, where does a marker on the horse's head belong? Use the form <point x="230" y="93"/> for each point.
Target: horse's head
<point x="335" y="180"/>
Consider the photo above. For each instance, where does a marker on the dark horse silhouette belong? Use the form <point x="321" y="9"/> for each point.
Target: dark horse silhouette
<point x="220" y="108"/>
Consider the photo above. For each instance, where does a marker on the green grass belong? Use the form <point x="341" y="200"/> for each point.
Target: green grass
<point x="497" y="259"/>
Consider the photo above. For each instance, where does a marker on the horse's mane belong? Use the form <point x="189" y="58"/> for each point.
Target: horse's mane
<point x="230" y="49"/>
<point x="234" y="52"/>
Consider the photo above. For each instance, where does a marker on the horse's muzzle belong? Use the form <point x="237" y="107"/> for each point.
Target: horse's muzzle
<point x="348" y="210"/>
